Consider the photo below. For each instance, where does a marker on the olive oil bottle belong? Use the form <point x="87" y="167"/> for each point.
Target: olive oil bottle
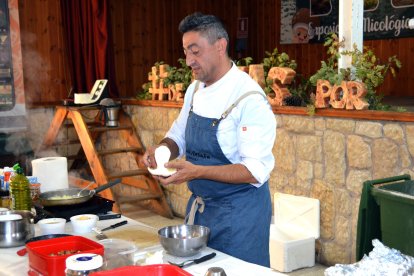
<point x="20" y="196"/>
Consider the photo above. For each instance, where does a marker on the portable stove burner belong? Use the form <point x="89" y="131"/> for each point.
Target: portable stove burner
<point x="96" y="205"/>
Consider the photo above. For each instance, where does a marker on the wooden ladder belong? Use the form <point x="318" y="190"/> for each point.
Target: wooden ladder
<point x="88" y="134"/>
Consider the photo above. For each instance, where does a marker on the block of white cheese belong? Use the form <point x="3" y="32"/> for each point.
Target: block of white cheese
<point x="162" y="155"/>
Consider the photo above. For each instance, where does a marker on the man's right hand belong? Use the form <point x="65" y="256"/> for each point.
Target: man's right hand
<point x="149" y="159"/>
<point x="149" y="155"/>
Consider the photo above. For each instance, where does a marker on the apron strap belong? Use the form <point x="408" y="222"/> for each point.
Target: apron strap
<point x="195" y="90"/>
<point x="227" y="112"/>
<point x="194" y="207"/>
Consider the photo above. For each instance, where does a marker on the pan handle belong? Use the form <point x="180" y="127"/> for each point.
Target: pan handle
<point x="106" y="186"/>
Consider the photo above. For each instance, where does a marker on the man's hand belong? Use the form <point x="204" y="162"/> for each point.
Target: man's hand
<point x="232" y="173"/>
<point x="185" y="171"/>
<point x="149" y="158"/>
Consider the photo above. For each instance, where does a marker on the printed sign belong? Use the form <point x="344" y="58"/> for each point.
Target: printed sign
<point x="310" y="21"/>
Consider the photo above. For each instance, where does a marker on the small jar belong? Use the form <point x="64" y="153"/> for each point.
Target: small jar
<point x="34" y="188"/>
<point x="83" y="264"/>
<point x="4" y="199"/>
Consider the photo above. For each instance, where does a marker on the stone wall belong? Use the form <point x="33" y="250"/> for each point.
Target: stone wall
<point x="329" y="159"/>
<point x="320" y="157"/>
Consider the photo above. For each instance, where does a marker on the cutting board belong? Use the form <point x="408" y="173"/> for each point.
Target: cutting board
<point x="142" y="236"/>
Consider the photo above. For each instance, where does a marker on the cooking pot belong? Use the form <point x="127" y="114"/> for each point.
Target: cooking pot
<point x="72" y="196"/>
<point x="15" y="228"/>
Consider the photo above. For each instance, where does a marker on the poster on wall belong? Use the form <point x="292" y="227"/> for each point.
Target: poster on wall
<point x="12" y="100"/>
<point x="309" y="21"/>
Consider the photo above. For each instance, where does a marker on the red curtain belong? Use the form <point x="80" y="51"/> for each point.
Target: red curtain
<point x="89" y="44"/>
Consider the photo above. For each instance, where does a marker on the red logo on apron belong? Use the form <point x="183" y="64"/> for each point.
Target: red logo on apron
<point x="244" y="128"/>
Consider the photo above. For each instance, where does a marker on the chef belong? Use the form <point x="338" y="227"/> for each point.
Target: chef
<point x="226" y="130"/>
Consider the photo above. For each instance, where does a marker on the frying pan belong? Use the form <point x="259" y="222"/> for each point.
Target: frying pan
<point x="70" y="196"/>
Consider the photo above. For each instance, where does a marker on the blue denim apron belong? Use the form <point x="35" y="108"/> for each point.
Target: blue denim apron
<point x="238" y="215"/>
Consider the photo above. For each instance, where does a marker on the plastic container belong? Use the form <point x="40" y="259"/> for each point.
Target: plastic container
<point x="147" y="270"/>
<point x="44" y="258"/>
<point x="396" y="202"/>
<point x="118" y="253"/>
<point x="83" y="264"/>
<point x="7" y="172"/>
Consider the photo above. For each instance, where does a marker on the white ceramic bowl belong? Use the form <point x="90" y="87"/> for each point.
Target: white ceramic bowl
<point x="52" y="226"/>
<point x="82" y="224"/>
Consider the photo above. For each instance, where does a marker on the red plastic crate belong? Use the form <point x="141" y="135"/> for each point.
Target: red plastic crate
<point x="147" y="270"/>
<point x="41" y="261"/>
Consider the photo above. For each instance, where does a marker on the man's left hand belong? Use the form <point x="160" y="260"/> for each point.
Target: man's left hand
<point x="185" y="171"/>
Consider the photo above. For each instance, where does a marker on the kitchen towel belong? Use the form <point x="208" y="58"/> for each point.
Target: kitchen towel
<point x="51" y="172"/>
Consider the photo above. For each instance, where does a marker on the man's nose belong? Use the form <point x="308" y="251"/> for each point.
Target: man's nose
<point x="189" y="60"/>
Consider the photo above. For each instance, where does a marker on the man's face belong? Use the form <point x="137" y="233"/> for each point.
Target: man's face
<point x="201" y="56"/>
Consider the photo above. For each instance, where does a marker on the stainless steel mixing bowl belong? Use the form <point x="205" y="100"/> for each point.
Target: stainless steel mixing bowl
<point x="15" y="232"/>
<point x="184" y="240"/>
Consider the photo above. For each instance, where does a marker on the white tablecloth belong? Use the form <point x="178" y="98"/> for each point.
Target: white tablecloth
<point x="14" y="265"/>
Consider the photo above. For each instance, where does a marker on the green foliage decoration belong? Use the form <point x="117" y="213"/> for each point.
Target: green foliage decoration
<point x="275" y="59"/>
<point x="182" y="75"/>
<point x="144" y="94"/>
<point x="301" y="87"/>
<point x="372" y="72"/>
<point x="246" y="61"/>
<point x="367" y="68"/>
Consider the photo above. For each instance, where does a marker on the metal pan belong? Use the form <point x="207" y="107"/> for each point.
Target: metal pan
<point x="72" y="196"/>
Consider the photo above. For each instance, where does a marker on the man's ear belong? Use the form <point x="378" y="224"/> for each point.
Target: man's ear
<point x="222" y="45"/>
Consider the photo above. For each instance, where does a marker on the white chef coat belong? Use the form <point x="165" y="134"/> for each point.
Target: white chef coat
<point x="248" y="133"/>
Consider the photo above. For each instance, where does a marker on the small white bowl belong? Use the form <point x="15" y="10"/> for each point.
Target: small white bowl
<point x="52" y="226"/>
<point x="82" y="224"/>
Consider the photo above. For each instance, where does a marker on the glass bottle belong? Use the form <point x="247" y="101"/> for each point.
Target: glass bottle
<point x="20" y="195"/>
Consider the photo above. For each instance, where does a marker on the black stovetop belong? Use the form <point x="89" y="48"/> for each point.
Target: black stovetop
<point x="96" y="205"/>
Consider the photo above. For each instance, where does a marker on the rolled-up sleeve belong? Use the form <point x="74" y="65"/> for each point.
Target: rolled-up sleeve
<point x="256" y="136"/>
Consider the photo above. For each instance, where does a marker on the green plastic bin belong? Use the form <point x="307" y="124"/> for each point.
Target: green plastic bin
<point x="396" y="204"/>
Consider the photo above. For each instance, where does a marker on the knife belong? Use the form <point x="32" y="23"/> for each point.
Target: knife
<point x="115" y="225"/>
<point x="195" y="261"/>
<point x="99" y="234"/>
